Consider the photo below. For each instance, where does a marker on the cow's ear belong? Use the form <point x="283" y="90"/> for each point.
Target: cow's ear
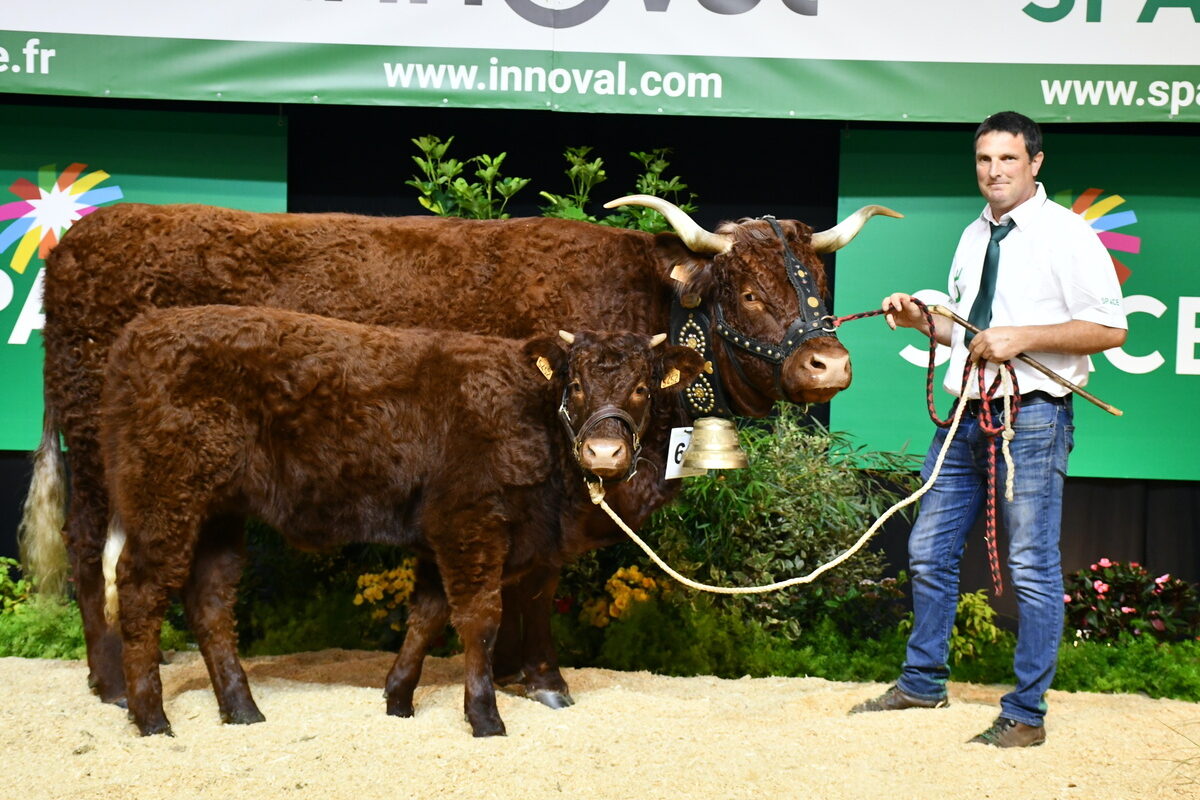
<point x="680" y="366"/>
<point x="687" y="274"/>
<point x="546" y="354"/>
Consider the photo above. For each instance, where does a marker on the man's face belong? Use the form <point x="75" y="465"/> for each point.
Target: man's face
<point x="1006" y="174"/>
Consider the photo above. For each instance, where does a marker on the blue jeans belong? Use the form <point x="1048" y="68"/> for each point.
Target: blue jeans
<point x="1030" y="523"/>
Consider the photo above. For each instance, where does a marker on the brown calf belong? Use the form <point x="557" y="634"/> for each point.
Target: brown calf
<point x="335" y="432"/>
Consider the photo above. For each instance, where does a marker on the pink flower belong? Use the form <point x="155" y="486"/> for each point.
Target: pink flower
<point x="1158" y="625"/>
<point x="1066" y="598"/>
<point x="1104" y="562"/>
<point x="1100" y="586"/>
<point x="1161" y="579"/>
<point x="1134" y="564"/>
<point x="1127" y="610"/>
<point x="1095" y="567"/>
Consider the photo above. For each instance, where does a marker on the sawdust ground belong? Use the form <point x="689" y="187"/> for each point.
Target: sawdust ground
<point x="630" y="735"/>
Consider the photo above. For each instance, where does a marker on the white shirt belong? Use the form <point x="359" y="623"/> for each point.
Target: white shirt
<point x="1053" y="268"/>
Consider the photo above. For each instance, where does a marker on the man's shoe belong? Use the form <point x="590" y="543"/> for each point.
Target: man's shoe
<point x="1010" y="733"/>
<point x="895" y="699"/>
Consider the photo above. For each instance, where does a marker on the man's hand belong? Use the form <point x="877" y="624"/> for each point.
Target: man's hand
<point x="997" y="344"/>
<point x="904" y="313"/>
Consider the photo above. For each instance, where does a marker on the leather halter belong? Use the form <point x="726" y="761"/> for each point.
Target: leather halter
<point x="812" y="321"/>
<point x="606" y="411"/>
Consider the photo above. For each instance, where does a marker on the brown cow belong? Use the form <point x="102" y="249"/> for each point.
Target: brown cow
<point x="336" y="432"/>
<point x="513" y="278"/>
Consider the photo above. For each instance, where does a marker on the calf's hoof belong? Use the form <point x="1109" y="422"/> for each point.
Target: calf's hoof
<point x="551" y="698"/>
<point x="490" y="725"/>
<point x="155" y="727"/>
<point x="399" y="708"/>
<point x="242" y="716"/>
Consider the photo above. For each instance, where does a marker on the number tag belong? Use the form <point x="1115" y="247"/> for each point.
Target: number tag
<point x="680" y="439"/>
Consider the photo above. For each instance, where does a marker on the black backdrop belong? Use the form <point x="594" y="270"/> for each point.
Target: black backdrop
<point x="356" y="159"/>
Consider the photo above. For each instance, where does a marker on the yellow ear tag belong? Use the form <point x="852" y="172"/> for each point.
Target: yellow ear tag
<point x="680" y="273"/>
<point x="671" y="379"/>
<point x="543" y="364"/>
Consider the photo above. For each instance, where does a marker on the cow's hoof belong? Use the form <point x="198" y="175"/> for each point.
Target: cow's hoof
<point x="551" y="698"/>
<point x="245" y="716"/>
<point x="492" y="726"/>
<point x="399" y="708"/>
<point x="155" y="728"/>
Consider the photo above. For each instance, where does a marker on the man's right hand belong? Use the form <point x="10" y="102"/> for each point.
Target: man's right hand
<point x="904" y="312"/>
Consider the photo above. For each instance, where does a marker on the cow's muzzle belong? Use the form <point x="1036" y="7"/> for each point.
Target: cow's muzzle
<point x="608" y="458"/>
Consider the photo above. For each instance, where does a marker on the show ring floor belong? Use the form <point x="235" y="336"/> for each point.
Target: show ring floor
<point x="629" y="735"/>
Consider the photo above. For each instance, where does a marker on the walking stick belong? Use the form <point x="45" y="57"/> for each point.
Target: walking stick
<point x="1039" y="366"/>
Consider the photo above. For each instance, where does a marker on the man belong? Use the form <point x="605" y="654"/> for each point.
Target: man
<point x="1056" y="298"/>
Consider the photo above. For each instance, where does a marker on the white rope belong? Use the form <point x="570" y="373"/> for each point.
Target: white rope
<point x="597" y="494"/>
<point x="1008" y="434"/>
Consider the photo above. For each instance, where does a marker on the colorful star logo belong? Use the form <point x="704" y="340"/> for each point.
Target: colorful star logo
<point x="1099" y="214"/>
<point x="46" y="210"/>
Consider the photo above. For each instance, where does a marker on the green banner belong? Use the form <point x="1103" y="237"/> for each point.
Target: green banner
<point x="627" y="83"/>
<point x="59" y="165"/>
<point x="1138" y="193"/>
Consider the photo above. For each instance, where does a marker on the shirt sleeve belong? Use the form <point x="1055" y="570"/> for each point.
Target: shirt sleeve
<point x="1091" y="289"/>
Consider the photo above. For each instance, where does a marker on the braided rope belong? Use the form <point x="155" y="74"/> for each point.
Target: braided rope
<point x="596" y="492"/>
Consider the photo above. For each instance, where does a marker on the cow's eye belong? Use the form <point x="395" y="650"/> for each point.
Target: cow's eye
<point x="575" y="387"/>
<point x="641" y="391"/>
<point x="749" y="297"/>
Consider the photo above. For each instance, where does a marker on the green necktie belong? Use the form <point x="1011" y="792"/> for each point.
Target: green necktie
<point x="981" y="309"/>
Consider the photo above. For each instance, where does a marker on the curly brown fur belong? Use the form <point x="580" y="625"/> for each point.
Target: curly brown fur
<point x="333" y="432"/>
<point x="515" y="278"/>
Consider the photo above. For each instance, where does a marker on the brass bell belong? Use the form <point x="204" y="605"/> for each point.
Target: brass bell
<point x="714" y="446"/>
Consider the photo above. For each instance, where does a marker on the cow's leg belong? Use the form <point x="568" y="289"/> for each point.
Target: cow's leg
<point x="85" y="531"/>
<point x="209" y="597"/>
<point x="542" y="679"/>
<point x="471" y="564"/>
<point x="427" y="617"/>
<point x="143" y="599"/>
<point x="508" y="657"/>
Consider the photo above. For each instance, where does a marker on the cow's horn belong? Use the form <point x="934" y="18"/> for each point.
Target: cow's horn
<point x="840" y="235"/>
<point x="696" y="238"/>
<point x="569" y="338"/>
<point x="657" y="339"/>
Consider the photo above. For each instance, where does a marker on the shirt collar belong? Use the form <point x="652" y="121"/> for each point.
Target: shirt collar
<point x="1023" y="214"/>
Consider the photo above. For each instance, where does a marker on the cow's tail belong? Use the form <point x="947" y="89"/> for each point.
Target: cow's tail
<point x="108" y="564"/>
<point x="40" y="532"/>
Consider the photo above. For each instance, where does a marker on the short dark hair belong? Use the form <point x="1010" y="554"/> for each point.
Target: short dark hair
<point x="1014" y="123"/>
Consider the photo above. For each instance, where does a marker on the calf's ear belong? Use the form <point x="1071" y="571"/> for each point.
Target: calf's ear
<point x="679" y="367"/>
<point x="546" y="354"/>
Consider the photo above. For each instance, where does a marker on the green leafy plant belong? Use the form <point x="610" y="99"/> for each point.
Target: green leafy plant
<point x="13" y="591"/>
<point x="445" y="192"/>
<point x="584" y="176"/>
<point x="800" y="503"/>
<point x="1110" y="599"/>
<point x="652" y="181"/>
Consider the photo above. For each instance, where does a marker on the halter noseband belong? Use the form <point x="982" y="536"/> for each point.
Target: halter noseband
<point x="812" y="321"/>
<point x="606" y="411"/>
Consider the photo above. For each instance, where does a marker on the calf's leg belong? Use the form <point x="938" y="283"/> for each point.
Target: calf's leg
<point x="143" y="601"/>
<point x="427" y="617"/>
<point x="209" y="597"/>
<point x="471" y="564"/>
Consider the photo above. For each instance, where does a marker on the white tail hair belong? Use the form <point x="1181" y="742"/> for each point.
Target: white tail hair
<point x="39" y="534"/>
<point x="113" y="546"/>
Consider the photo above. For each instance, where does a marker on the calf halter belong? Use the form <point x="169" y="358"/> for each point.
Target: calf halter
<point x="606" y="411"/>
<point x="812" y="320"/>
